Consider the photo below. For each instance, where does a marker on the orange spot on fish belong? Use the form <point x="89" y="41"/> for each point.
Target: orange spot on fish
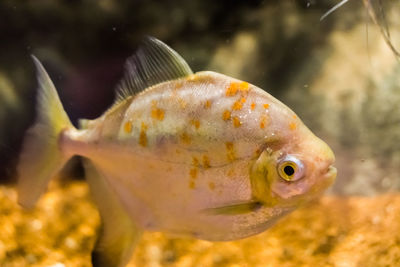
<point x="195" y="162"/>
<point x="266" y="106"/>
<point x="294" y="117"/>
<point x="263" y="122"/>
<point x="292" y="126"/>
<point x="253" y="106"/>
<point x="257" y="152"/>
<point x="238" y="104"/>
<point x="206" y="162"/>
<point x="226" y="115"/>
<point x="185" y="138"/>
<point x="195" y="123"/>
<point x="193" y="173"/>
<point x="128" y="127"/>
<point x="229" y="145"/>
<point x="178" y="85"/>
<point x="143" y="136"/>
<point x="232" y="89"/>
<point x="230" y="173"/>
<point x="182" y="103"/>
<point x="243" y="100"/>
<point x="236" y="122"/>
<point x="244" y="86"/>
<point x="192" y="78"/>
<point x="230" y="151"/>
<point x="211" y="185"/>
<point x="158" y="114"/>
<point x="207" y="104"/>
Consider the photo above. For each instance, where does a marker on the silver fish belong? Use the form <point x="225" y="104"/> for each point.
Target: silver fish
<point x="201" y="155"/>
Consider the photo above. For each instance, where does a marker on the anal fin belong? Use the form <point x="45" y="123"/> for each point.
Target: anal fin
<point x="118" y="234"/>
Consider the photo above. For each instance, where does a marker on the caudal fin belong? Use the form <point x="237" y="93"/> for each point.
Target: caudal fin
<point x="41" y="157"/>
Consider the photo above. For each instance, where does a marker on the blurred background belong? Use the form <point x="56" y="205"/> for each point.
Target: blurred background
<point x="339" y="75"/>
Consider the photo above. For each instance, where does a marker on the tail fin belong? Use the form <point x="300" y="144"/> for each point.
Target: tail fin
<point x="41" y="157"/>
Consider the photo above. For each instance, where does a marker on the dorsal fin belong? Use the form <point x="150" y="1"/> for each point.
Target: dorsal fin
<point x="154" y="62"/>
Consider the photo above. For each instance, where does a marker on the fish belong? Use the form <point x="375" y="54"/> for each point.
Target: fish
<point x="200" y="155"/>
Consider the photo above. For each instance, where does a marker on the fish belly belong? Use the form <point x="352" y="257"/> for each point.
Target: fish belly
<point x="171" y="197"/>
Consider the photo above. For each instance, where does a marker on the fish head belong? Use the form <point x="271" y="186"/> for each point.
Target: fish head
<point x="294" y="170"/>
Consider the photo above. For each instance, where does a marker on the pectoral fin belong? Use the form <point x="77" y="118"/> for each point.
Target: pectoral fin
<point x="118" y="233"/>
<point x="235" y="209"/>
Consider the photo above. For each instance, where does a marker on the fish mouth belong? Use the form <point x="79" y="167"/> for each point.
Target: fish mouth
<point x="330" y="174"/>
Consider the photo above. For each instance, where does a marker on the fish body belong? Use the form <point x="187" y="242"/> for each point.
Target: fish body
<point x="202" y="155"/>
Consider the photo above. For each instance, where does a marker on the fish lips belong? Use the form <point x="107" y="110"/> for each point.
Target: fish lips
<point x="330" y="176"/>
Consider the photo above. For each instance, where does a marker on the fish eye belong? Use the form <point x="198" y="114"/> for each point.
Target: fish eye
<point x="290" y="168"/>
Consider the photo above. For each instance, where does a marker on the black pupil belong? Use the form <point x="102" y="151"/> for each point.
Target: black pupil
<point x="289" y="171"/>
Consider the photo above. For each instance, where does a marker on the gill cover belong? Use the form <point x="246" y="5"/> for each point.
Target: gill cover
<point x="260" y="184"/>
<point x="261" y="190"/>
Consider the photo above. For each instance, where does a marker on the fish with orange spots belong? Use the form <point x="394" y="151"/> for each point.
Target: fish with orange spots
<point x="225" y="166"/>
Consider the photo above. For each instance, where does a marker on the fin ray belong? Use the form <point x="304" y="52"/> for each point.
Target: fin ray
<point x="235" y="209"/>
<point x="334" y="8"/>
<point x="154" y="62"/>
<point x="41" y="157"/>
